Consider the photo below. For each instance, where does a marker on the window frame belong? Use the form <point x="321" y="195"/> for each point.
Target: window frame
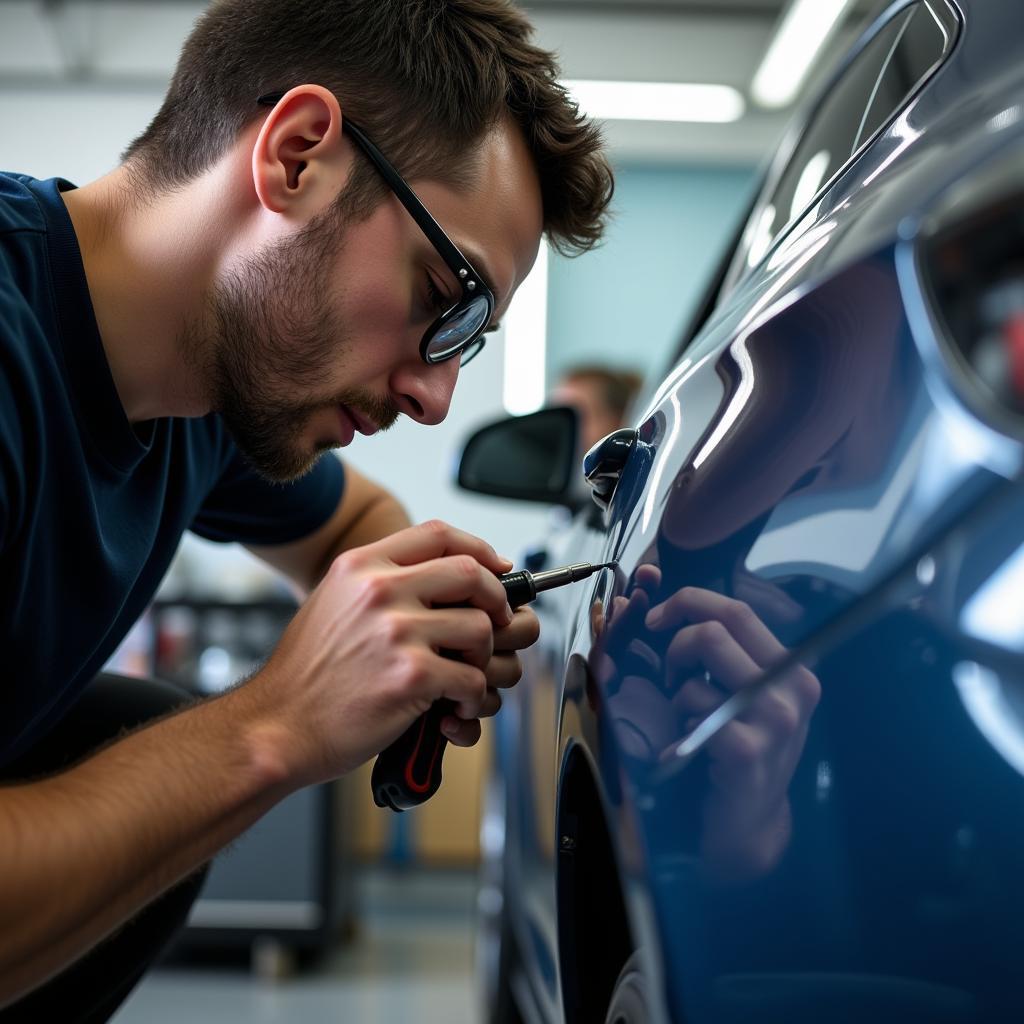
<point x="802" y="123"/>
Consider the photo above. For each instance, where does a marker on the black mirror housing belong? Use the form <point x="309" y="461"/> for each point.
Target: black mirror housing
<point x="526" y="458"/>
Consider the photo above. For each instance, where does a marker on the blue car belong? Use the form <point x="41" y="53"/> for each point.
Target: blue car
<point x="770" y="767"/>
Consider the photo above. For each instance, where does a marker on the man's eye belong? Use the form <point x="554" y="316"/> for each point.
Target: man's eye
<point x="438" y="300"/>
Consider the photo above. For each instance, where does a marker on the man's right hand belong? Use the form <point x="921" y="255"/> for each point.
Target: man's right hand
<point x="361" y="660"/>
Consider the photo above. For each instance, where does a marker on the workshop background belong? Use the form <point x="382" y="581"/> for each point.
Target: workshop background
<point x="386" y="902"/>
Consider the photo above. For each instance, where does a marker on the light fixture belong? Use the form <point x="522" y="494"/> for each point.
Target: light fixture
<point x="526" y="325"/>
<point x="804" y="29"/>
<point x="656" y="101"/>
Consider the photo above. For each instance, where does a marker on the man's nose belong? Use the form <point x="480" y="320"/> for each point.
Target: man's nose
<point x="424" y="392"/>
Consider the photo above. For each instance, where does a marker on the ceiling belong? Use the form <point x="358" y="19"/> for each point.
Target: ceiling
<point x="124" y="46"/>
<point x="736" y="8"/>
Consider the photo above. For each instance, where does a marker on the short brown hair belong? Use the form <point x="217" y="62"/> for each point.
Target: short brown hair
<point x="617" y="387"/>
<point x="426" y="79"/>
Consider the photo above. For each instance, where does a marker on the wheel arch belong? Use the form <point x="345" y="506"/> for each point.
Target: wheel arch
<point x="594" y="934"/>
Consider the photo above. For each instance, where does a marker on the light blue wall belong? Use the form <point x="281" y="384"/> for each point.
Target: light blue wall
<point x="626" y="303"/>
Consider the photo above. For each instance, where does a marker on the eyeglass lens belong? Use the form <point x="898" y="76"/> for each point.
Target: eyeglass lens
<point x="453" y="334"/>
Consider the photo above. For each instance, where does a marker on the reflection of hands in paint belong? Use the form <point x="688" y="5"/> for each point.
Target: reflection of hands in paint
<point x="718" y="646"/>
<point x="664" y="667"/>
<point x="622" y="632"/>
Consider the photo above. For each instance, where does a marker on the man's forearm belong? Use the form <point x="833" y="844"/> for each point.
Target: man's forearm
<point x="366" y="513"/>
<point x="85" y="850"/>
<point x="380" y="518"/>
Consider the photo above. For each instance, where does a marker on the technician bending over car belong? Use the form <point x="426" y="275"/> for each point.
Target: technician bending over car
<point x="181" y="340"/>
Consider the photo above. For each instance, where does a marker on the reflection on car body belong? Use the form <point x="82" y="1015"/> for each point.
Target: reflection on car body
<point x="770" y="768"/>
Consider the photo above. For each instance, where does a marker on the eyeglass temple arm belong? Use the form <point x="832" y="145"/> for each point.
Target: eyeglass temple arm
<point x="419" y="213"/>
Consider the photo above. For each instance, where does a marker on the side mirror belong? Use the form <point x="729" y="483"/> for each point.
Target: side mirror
<point x="528" y="458"/>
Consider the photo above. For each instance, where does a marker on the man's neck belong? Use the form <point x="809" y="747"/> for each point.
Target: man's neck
<point x="149" y="263"/>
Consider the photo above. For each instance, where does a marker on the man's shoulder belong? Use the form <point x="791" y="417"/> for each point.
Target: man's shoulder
<point x="22" y="281"/>
<point x="22" y="229"/>
<point x="19" y="209"/>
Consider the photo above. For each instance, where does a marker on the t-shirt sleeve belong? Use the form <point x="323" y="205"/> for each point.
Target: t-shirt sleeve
<point x="19" y="412"/>
<point x="244" y="507"/>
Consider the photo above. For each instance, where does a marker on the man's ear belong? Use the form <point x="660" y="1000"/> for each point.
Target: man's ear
<point x="298" y="162"/>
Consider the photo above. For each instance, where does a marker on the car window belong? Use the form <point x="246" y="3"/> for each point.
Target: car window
<point x="867" y="94"/>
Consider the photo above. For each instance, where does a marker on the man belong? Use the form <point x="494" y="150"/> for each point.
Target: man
<point x="181" y="339"/>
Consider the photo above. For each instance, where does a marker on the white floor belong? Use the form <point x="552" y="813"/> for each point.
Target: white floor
<point x="410" y="961"/>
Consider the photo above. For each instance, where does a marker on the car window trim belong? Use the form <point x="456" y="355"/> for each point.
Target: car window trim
<point x="798" y="130"/>
<point x="878" y="81"/>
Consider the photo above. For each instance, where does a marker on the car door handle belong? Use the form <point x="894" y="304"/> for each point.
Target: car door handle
<point x="604" y="463"/>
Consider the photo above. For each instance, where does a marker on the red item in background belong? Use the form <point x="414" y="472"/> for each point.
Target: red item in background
<point x="1013" y="334"/>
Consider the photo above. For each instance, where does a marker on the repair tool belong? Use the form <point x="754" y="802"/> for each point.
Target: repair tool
<point x="408" y="773"/>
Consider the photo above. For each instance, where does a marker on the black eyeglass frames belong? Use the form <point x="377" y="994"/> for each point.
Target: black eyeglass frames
<point x="459" y="330"/>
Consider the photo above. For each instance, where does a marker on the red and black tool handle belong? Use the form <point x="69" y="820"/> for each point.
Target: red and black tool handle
<point x="408" y="772"/>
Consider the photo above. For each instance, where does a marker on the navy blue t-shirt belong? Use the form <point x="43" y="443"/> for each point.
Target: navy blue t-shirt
<point x="92" y="508"/>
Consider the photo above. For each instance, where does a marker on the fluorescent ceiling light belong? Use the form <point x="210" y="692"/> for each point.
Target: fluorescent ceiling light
<point x="805" y="28"/>
<point x="526" y="331"/>
<point x="656" y="101"/>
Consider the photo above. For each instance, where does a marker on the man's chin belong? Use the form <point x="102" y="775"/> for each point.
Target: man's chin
<point x="286" y="467"/>
<point x="280" y="449"/>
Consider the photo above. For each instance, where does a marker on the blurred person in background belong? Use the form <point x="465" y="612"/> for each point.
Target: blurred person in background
<point x="600" y="395"/>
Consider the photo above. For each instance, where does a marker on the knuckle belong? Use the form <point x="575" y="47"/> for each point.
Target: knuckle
<point x="413" y="671"/>
<point x="482" y="631"/>
<point x="531" y="628"/>
<point x="375" y="591"/>
<point x="436" y="527"/>
<point x="344" y="564"/>
<point x="739" y="614"/>
<point x="808" y="688"/>
<point x="711" y="633"/>
<point x="466" y="566"/>
<point x="697" y="692"/>
<point x="478" y="683"/>
<point x="394" y="629"/>
<point x="744" y="750"/>
<point x="784" y="716"/>
<point x="514" y="670"/>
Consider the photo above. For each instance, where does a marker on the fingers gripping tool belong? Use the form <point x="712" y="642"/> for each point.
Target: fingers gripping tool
<point x="408" y="772"/>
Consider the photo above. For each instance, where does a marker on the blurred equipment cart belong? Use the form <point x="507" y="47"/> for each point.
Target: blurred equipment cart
<point x="285" y="888"/>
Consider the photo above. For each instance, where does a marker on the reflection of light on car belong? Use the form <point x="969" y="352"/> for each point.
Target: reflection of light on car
<point x="809" y="181"/>
<point x="994" y="613"/>
<point x="926" y="570"/>
<point x="762" y="236"/>
<point x="906" y="135"/>
<point x="760" y="309"/>
<point x="986" y="702"/>
<point x="739" y="352"/>
<point x="654" y="489"/>
<point x="1005" y="118"/>
<point x="745" y="388"/>
<point x="823" y="782"/>
<point x="969" y="443"/>
<point x="799" y="242"/>
<point x="674" y="378"/>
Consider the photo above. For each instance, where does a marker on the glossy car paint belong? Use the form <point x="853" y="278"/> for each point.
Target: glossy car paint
<point x="833" y="526"/>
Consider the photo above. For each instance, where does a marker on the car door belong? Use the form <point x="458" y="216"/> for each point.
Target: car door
<point x="796" y="461"/>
